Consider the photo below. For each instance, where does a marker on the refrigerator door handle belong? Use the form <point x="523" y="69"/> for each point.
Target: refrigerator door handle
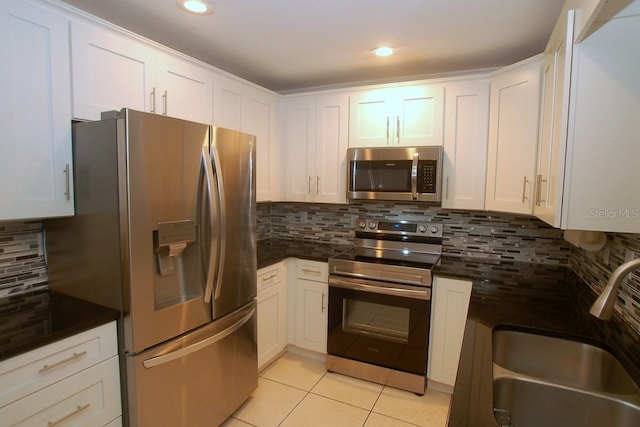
<point x="168" y="357"/>
<point x="208" y="172"/>
<point x="222" y="235"/>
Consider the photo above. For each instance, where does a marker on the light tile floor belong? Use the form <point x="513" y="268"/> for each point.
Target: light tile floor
<point x="296" y="391"/>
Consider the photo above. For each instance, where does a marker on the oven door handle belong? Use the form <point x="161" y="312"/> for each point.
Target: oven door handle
<point x="380" y="288"/>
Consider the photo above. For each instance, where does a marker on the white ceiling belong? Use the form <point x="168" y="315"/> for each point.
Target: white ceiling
<point x="287" y="45"/>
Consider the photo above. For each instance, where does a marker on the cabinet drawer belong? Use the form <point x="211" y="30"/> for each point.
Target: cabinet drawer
<point x="271" y="275"/>
<point x="34" y="370"/>
<point x="88" y="398"/>
<point x="312" y="270"/>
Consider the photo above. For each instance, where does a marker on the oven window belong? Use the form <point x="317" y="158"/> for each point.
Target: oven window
<point x="376" y="320"/>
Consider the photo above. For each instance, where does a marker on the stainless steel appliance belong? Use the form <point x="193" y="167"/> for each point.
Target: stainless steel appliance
<point x="165" y="232"/>
<point x="395" y="173"/>
<point x="380" y="303"/>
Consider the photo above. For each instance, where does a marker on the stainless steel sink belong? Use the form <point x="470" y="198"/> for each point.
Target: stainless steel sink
<point x="545" y="381"/>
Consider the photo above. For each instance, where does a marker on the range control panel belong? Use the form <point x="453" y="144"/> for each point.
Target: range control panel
<point x="402" y="228"/>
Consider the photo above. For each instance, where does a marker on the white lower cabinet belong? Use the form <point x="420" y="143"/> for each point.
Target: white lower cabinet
<point x="449" y="306"/>
<point x="311" y="308"/>
<point x="272" y="313"/>
<point x="74" y="381"/>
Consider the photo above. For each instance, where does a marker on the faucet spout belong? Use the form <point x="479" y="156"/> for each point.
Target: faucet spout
<point x="603" y="306"/>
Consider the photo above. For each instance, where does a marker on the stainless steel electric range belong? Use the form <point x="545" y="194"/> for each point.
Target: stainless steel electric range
<point x="380" y="303"/>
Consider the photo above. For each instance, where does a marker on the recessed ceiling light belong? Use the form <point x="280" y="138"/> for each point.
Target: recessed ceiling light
<point x="198" y="7"/>
<point x="383" y="51"/>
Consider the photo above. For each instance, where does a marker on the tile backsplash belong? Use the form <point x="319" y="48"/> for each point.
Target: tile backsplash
<point x="466" y="233"/>
<point x="22" y="262"/>
<point x="595" y="268"/>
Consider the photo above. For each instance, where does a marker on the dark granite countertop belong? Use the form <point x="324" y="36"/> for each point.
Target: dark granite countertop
<point x="32" y="320"/>
<point x="271" y="251"/>
<point x="531" y="297"/>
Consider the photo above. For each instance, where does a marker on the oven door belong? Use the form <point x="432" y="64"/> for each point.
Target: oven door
<point x="379" y="323"/>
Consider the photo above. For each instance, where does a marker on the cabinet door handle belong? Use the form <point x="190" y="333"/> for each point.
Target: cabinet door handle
<point x="398" y="129"/>
<point x="67" y="177"/>
<point x="446" y="193"/>
<point x="74" y="356"/>
<point x="152" y="100"/>
<point x="524" y="189"/>
<point x="164" y="103"/>
<point x="387" y="130"/>
<point x="323" y="307"/>
<point x="69" y="415"/>
<point x="309" y="185"/>
<point x="539" y="182"/>
<point x="317" y="184"/>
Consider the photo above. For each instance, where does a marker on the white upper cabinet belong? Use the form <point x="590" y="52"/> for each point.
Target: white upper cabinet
<point x="465" y="143"/>
<point x="601" y="169"/>
<point x="556" y="78"/>
<point x="35" y="113"/>
<point x="240" y="106"/>
<point x="316" y="144"/>
<point x="113" y="71"/>
<point x="397" y="116"/>
<point x="513" y="136"/>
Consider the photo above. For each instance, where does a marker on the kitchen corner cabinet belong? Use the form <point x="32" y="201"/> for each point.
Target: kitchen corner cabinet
<point x="311" y="291"/>
<point x="35" y="113"/>
<point x="409" y="115"/>
<point x="556" y="81"/>
<point x="513" y="136"/>
<point x="112" y="71"/>
<point x="449" y="306"/>
<point x="316" y="129"/>
<point x="593" y="126"/>
<point x="72" y="381"/>
<point x="240" y="106"/>
<point x="272" y="313"/>
<point x="465" y="143"/>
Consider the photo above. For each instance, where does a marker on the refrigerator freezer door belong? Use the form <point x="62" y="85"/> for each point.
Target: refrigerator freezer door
<point x="160" y="181"/>
<point x="199" y="379"/>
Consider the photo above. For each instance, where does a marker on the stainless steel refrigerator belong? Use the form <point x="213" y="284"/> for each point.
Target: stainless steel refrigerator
<point x="164" y="231"/>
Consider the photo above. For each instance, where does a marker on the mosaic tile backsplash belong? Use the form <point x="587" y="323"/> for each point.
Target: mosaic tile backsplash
<point x="465" y="233"/>
<point x="22" y="263"/>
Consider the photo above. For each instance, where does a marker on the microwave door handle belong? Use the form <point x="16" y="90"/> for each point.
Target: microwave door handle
<point x="222" y="230"/>
<point x="414" y="176"/>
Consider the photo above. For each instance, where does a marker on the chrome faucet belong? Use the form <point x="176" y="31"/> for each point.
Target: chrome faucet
<point x="603" y="307"/>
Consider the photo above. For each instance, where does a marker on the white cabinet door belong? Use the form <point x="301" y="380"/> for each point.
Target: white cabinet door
<point x="300" y="134"/>
<point x="311" y="315"/>
<point x="239" y="106"/>
<point x="110" y="72"/>
<point x="513" y="137"/>
<point x="183" y="90"/>
<point x="35" y="113"/>
<point x="272" y="312"/>
<point x="556" y="78"/>
<point x="465" y="144"/>
<point x="406" y="115"/>
<point x="316" y="141"/>
<point x="449" y="308"/>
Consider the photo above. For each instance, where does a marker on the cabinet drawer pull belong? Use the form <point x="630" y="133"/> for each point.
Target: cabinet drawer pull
<point x="69" y="415"/>
<point x="264" y="279"/>
<point x="306" y="270"/>
<point x="74" y="356"/>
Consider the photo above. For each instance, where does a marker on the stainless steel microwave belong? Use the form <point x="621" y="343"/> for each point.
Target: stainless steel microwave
<point x="395" y="173"/>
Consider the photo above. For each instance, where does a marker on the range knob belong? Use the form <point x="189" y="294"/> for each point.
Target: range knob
<point x="433" y="229"/>
<point x="362" y="225"/>
<point x="372" y="225"/>
<point x="422" y="229"/>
